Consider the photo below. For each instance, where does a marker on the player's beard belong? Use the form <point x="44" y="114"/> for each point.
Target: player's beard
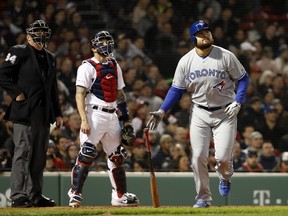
<point x="206" y="45"/>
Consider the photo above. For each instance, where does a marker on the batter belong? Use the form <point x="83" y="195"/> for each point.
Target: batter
<point x="209" y="73"/>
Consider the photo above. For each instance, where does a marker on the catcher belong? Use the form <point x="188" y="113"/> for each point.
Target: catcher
<point x="100" y="101"/>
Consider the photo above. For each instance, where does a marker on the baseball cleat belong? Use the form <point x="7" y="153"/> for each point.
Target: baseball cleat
<point x="127" y="200"/>
<point x="202" y="204"/>
<point x="75" y="199"/>
<point x="224" y="187"/>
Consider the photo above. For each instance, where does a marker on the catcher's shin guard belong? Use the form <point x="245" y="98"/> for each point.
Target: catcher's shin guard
<point x="81" y="167"/>
<point x="116" y="171"/>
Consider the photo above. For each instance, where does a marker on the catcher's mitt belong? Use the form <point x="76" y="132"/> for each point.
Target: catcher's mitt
<point x="128" y="135"/>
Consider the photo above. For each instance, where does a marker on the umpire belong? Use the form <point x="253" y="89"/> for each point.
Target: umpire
<point x="28" y="75"/>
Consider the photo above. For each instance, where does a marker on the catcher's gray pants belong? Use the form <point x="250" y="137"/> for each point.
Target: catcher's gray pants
<point x="29" y="157"/>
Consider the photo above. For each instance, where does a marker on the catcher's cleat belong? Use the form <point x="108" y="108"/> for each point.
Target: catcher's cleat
<point x="75" y="199"/>
<point x="224" y="187"/>
<point x="127" y="200"/>
<point x="202" y="204"/>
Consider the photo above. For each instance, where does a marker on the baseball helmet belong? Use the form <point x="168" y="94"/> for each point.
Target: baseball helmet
<point x="40" y="32"/>
<point x="97" y="42"/>
<point x="196" y="27"/>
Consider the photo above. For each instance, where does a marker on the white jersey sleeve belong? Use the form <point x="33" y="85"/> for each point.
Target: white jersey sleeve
<point x="121" y="83"/>
<point x="85" y="75"/>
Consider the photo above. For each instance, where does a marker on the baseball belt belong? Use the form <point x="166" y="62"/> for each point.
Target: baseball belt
<point x="103" y="109"/>
<point x="211" y="109"/>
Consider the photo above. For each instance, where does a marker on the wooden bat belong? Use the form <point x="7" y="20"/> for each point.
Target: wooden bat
<point x="153" y="185"/>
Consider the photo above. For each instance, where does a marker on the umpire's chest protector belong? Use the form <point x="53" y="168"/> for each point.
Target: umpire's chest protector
<point x="104" y="86"/>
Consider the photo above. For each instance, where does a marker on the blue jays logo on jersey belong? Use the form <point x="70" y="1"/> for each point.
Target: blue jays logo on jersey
<point x="219" y="86"/>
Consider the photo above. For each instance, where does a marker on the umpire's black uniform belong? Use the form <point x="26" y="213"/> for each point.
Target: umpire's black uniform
<point x="32" y="72"/>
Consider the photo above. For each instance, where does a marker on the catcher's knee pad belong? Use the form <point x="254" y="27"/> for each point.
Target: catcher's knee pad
<point x="87" y="153"/>
<point x="118" y="156"/>
<point x="117" y="177"/>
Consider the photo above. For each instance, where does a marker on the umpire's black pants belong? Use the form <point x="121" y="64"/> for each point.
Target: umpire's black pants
<point x="31" y="142"/>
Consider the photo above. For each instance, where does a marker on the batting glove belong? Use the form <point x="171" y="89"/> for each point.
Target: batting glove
<point x="233" y="109"/>
<point x="155" y="119"/>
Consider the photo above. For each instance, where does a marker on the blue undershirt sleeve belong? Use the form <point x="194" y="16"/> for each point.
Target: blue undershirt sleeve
<point x="242" y="87"/>
<point x="172" y="97"/>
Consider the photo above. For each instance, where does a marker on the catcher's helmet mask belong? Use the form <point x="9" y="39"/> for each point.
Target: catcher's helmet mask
<point x="104" y="49"/>
<point x="40" y="32"/>
<point x="196" y="27"/>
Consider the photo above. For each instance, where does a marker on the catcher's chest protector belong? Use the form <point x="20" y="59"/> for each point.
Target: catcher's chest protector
<point x="105" y="85"/>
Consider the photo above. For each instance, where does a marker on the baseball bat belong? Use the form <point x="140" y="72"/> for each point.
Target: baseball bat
<point x="153" y="185"/>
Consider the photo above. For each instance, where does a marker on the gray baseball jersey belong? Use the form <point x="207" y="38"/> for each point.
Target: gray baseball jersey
<point x="210" y="80"/>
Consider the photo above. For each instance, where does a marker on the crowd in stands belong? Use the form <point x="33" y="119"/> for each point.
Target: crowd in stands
<point x="150" y="37"/>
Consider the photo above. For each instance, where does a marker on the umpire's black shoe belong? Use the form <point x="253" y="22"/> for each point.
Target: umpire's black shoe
<point x="22" y="202"/>
<point x="44" y="202"/>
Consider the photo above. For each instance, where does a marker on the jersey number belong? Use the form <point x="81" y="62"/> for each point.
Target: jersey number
<point x="10" y="58"/>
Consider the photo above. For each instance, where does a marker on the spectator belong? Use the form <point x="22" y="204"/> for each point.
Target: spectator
<point x="139" y="166"/>
<point x="282" y="115"/>
<point x="271" y="129"/>
<point x="154" y="138"/>
<point x="251" y="163"/>
<point x="252" y="114"/>
<point x="72" y="126"/>
<point x="184" y="164"/>
<point x="183" y="112"/>
<point x="268" y="97"/>
<point x="71" y="153"/>
<point x="166" y="63"/>
<point x="245" y="136"/>
<point x="139" y="11"/>
<point x="147" y="23"/>
<point x="50" y="167"/>
<point x="282" y="165"/>
<point x="139" y="121"/>
<point x="239" y="156"/>
<point x="246" y="51"/>
<point x="51" y="148"/>
<point x="5" y="160"/>
<point x="256" y="141"/>
<point x="129" y="76"/>
<point x="100" y="161"/>
<point x="61" y="153"/>
<point x="67" y="75"/>
<point x="146" y="94"/>
<point x="267" y="157"/>
<point x="283" y="144"/>
<point x="201" y="5"/>
<point x="177" y="152"/>
<point x="162" y="161"/>
<point x="282" y="59"/>
<point x="181" y="136"/>
<point x="265" y="81"/>
<point x="227" y="23"/>
<point x="139" y="153"/>
<point x="161" y="88"/>
<point x="268" y="38"/>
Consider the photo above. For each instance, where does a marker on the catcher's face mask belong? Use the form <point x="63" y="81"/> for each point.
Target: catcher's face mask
<point x="40" y="32"/>
<point x="104" y="43"/>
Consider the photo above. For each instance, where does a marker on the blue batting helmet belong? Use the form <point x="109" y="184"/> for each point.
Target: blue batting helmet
<point x="196" y="27"/>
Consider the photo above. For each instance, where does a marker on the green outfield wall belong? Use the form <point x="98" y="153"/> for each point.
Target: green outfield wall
<point x="175" y="189"/>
